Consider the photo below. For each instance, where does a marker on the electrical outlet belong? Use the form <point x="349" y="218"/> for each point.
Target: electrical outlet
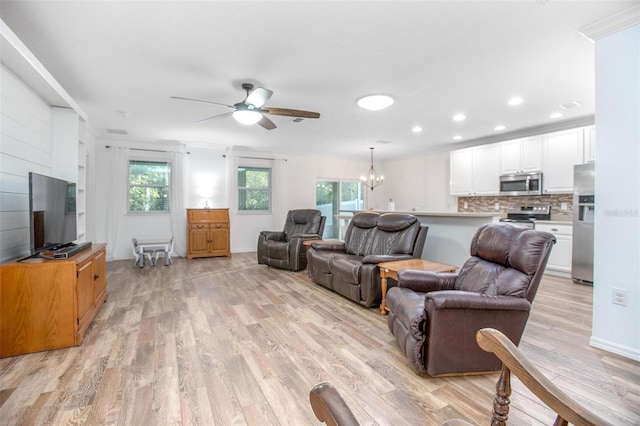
<point x="465" y="205"/>
<point x="619" y="296"/>
<point x="563" y="206"/>
<point x="496" y="206"/>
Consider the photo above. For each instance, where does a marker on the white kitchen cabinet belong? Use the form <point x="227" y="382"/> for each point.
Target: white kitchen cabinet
<point x="461" y="172"/>
<point x="486" y="169"/>
<point x="590" y="144"/>
<point x="521" y="155"/>
<point x="561" y="151"/>
<point x="560" y="259"/>
<point x="474" y="171"/>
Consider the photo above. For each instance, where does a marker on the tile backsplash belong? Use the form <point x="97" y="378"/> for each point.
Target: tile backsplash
<point x="488" y="204"/>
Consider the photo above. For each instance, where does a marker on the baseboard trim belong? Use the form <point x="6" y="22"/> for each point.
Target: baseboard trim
<point x="624" y="351"/>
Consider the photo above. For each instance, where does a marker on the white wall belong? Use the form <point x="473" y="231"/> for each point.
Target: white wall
<point x="212" y="170"/>
<point x="25" y="146"/>
<point x="420" y="182"/>
<point x="617" y="224"/>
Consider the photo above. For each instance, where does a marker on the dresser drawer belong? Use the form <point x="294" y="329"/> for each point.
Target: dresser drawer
<point x="208" y="216"/>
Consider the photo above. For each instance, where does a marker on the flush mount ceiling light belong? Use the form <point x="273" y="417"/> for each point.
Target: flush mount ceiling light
<point x="457" y="137"/>
<point x="416" y="129"/>
<point x="499" y="127"/>
<point x="459" y="117"/>
<point x="556" y="115"/>
<point x="375" y="102"/>
<point x="372" y="179"/>
<point x="515" y="101"/>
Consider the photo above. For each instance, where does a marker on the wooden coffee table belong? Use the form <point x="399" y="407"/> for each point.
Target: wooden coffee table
<point x="391" y="269"/>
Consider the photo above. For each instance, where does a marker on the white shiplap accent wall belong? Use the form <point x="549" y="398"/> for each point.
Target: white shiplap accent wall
<point x="25" y="145"/>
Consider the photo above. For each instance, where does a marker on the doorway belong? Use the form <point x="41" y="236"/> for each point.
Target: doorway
<point x="338" y="200"/>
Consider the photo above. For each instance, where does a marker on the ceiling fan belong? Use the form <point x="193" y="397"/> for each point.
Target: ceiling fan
<point x="251" y="111"/>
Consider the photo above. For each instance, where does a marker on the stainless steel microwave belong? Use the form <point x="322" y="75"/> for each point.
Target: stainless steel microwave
<point x="521" y="184"/>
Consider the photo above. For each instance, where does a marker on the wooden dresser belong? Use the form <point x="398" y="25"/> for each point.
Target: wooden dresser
<point x="49" y="304"/>
<point x="208" y="233"/>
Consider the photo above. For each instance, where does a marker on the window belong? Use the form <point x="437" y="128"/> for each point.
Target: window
<point x="254" y="188"/>
<point x="149" y="186"/>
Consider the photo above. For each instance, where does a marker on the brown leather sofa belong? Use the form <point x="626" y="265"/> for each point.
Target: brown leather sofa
<point x="284" y="249"/>
<point x="435" y="316"/>
<point x="350" y="267"/>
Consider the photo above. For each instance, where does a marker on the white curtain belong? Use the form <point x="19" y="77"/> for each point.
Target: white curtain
<point x="117" y="195"/>
<point x="178" y="212"/>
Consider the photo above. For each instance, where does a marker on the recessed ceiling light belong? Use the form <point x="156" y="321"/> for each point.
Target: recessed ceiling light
<point x="375" y="102"/>
<point x="556" y="115"/>
<point x="416" y="129"/>
<point x="459" y="117"/>
<point x="515" y="101"/>
<point x="457" y="137"/>
<point x="499" y="127"/>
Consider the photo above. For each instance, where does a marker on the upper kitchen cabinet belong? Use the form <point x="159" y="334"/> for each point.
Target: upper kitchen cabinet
<point x="474" y="171"/>
<point x="461" y="172"/>
<point x="590" y="144"/>
<point x="521" y="155"/>
<point x="486" y="168"/>
<point x="561" y="151"/>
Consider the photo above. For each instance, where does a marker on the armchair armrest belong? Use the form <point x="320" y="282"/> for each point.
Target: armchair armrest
<point x="332" y="245"/>
<point x="306" y="237"/>
<point x="273" y="235"/>
<point x="426" y="281"/>
<point x="468" y="300"/>
<point x="379" y="258"/>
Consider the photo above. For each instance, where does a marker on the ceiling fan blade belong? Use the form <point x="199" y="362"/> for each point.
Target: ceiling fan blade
<point x="215" y="117"/>
<point x="291" y="112"/>
<point x="199" y="100"/>
<point x="267" y="123"/>
<point x="259" y="97"/>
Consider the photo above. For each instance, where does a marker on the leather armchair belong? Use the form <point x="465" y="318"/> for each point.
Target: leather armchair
<point x="435" y="316"/>
<point x="284" y="249"/>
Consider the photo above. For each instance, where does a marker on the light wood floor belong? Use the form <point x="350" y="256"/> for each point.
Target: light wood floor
<point x="228" y="342"/>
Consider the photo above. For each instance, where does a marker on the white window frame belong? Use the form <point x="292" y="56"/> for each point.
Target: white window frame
<point x="254" y="165"/>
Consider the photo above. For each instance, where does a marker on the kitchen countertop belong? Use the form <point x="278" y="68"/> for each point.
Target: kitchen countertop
<point x="448" y="214"/>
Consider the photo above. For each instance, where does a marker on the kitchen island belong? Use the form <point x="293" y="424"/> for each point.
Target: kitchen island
<point x="450" y="233"/>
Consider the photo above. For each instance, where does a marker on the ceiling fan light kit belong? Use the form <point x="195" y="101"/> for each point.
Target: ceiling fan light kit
<point x="247" y="117"/>
<point x="250" y="110"/>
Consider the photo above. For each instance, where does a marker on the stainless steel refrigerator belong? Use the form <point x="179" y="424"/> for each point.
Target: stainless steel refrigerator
<point x="583" y="218"/>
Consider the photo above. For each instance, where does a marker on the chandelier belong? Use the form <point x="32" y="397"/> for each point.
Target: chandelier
<point x="372" y="179"/>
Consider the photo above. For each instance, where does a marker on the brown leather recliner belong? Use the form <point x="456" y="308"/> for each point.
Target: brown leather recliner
<point x="350" y="267"/>
<point x="284" y="249"/>
<point x="435" y="316"/>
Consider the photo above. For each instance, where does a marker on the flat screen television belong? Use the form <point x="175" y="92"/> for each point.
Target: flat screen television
<point x="52" y="212"/>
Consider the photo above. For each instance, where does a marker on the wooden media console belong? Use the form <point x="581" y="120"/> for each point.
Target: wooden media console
<point x="49" y="304"/>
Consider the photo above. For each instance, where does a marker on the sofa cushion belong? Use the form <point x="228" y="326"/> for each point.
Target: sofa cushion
<point x="360" y="232"/>
<point x="396" y="234"/>
<point x="347" y="268"/>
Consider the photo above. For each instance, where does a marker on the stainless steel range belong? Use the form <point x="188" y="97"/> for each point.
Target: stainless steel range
<point x="525" y="215"/>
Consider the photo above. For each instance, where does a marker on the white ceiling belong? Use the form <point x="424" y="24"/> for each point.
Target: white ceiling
<point x="436" y="58"/>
